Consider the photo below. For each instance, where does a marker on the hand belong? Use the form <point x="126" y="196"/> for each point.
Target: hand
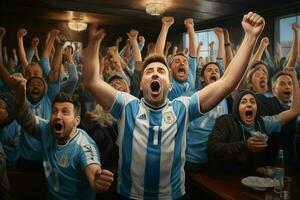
<point x="189" y="22"/>
<point x="290" y="71"/>
<point x="132" y="35"/>
<point x="218" y="31"/>
<point x="253" y="24"/>
<point x="14" y="51"/>
<point x="19" y="82"/>
<point x="265" y="41"/>
<point x="61" y="39"/>
<point x="35" y="42"/>
<point x="295" y="27"/>
<point x="2" y="32"/>
<point x="21" y="32"/>
<point x="96" y="35"/>
<point x="103" y="180"/>
<point x="168" y="21"/>
<point x="112" y="50"/>
<point x="142" y="39"/>
<point x="255" y="144"/>
<point x="54" y="33"/>
<point x="200" y="44"/>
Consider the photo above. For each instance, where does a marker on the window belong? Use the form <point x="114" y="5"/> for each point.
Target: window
<point x="205" y="36"/>
<point x="285" y="31"/>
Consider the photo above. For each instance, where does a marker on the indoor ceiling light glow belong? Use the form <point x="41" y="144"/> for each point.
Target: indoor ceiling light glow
<point x="77" y="25"/>
<point x="156" y="7"/>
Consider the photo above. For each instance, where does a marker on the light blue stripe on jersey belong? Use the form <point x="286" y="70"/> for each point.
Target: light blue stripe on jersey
<point x="177" y="173"/>
<point x="131" y="110"/>
<point x="116" y="109"/>
<point x="152" y="168"/>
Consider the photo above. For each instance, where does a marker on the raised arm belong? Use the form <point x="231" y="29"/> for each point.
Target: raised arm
<point x="294" y="110"/>
<point x="22" y="55"/>
<point x="24" y="114"/>
<point x="161" y="40"/>
<point x="4" y="75"/>
<point x="262" y="46"/>
<point x="294" y="49"/>
<point x="132" y="35"/>
<point x="189" y="24"/>
<point x="57" y="59"/>
<point x="211" y="95"/>
<point x="97" y="87"/>
<point x="219" y="33"/>
<point x="54" y="34"/>
<point x="167" y="48"/>
<point x="228" y="49"/>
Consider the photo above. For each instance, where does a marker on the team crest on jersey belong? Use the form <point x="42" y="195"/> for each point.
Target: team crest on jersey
<point x="143" y="116"/>
<point x="169" y="117"/>
<point x="63" y="160"/>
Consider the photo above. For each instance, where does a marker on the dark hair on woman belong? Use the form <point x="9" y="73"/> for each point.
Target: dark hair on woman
<point x="62" y="97"/>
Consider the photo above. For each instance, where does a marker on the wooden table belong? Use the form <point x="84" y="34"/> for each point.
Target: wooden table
<point x="229" y="186"/>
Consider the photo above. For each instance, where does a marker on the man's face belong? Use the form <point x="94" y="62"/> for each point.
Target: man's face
<point x="119" y="84"/>
<point x="180" y="68"/>
<point x="155" y="83"/>
<point x="63" y="121"/>
<point x="32" y="70"/>
<point x="211" y="74"/>
<point x="283" y="88"/>
<point x="36" y="89"/>
<point x="248" y="109"/>
<point x="3" y="112"/>
<point x="259" y="80"/>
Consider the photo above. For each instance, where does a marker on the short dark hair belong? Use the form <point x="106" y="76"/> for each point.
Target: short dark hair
<point x="62" y="97"/>
<point x="259" y="62"/>
<point x="155" y="58"/>
<point x="277" y="75"/>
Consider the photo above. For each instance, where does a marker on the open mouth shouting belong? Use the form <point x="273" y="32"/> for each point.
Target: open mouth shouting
<point x="213" y="78"/>
<point x="181" y="71"/>
<point x="262" y="83"/>
<point x="155" y="88"/>
<point x="58" y="127"/>
<point x="249" y="116"/>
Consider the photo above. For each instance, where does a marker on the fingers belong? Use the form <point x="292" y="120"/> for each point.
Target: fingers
<point x="188" y="22"/>
<point x="103" y="179"/>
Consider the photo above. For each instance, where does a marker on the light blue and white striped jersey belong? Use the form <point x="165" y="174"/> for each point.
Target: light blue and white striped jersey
<point x="30" y="148"/>
<point x="178" y="88"/>
<point x="152" y="146"/>
<point x="199" y="131"/>
<point x="65" y="165"/>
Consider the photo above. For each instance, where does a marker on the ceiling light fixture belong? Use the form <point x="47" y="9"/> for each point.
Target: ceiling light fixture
<point x="156" y="7"/>
<point x="77" y="24"/>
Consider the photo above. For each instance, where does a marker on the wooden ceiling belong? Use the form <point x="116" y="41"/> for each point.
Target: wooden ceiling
<point x="131" y="13"/>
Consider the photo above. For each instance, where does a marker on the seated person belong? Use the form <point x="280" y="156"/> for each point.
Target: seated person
<point x="230" y="145"/>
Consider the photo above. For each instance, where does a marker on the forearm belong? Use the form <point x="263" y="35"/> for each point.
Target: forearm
<point x="161" y="40"/>
<point x="192" y="42"/>
<point x="294" y="51"/>
<point x="22" y="54"/>
<point x="56" y="65"/>
<point x="26" y="118"/>
<point x="220" y="53"/>
<point x="30" y="54"/>
<point x="214" y="93"/>
<point x="91" y="79"/>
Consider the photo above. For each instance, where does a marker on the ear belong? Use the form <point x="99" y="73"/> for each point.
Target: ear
<point x="170" y="86"/>
<point x="76" y="121"/>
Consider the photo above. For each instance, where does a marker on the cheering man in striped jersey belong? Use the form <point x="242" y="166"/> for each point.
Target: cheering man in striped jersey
<point x="152" y="131"/>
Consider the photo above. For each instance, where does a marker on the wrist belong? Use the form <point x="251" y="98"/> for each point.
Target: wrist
<point x="227" y="44"/>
